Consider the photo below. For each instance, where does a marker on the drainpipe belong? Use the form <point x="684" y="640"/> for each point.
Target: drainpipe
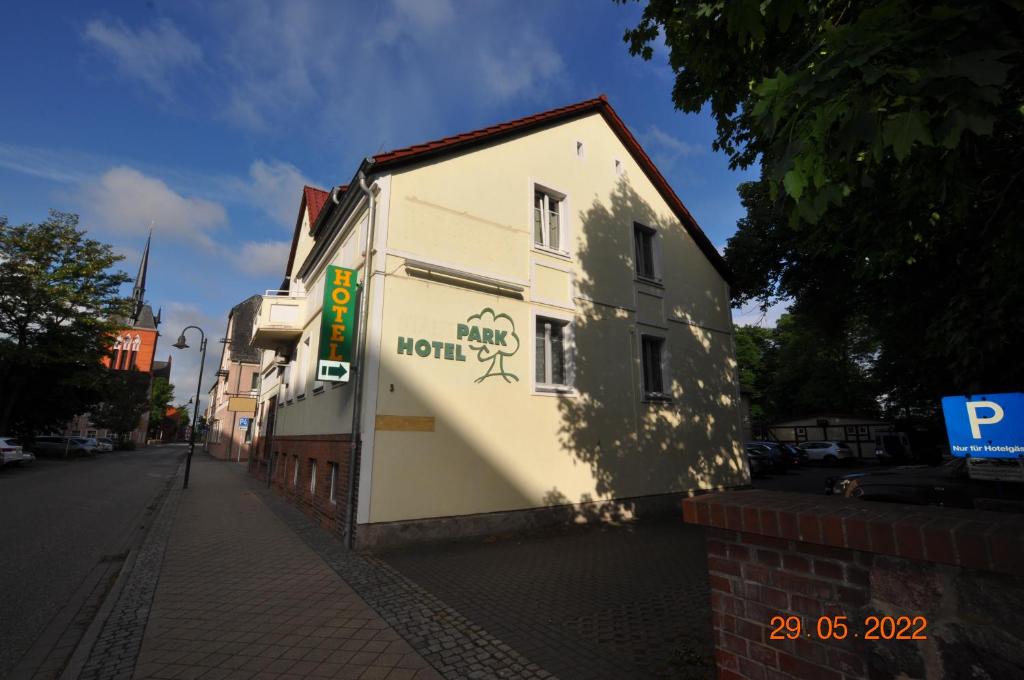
<point x="357" y="405"/>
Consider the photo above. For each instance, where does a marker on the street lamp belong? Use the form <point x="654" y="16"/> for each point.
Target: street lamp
<point x="182" y="344"/>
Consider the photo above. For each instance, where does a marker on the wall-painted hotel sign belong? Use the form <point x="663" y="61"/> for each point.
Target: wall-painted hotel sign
<point x="491" y="335"/>
<point x="990" y="426"/>
<point x="337" y="325"/>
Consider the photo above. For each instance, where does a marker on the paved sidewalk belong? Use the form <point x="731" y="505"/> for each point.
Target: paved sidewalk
<point x="240" y="595"/>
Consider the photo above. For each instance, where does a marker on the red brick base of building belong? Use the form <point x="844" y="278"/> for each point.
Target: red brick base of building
<point x="305" y="470"/>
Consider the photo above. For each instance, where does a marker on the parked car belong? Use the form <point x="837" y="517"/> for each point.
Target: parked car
<point x="758" y="462"/>
<point x="893" y="447"/>
<point x="796" y="455"/>
<point x="13" y="453"/>
<point x="949" y="484"/>
<point x="828" y="452"/>
<point x="104" y="444"/>
<point x="64" y="446"/>
<point x="778" y="459"/>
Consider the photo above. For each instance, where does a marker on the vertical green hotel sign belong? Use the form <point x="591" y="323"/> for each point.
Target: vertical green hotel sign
<point x="337" y="325"/>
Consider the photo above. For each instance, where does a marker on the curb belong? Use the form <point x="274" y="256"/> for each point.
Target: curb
<point x="113" y="640"/>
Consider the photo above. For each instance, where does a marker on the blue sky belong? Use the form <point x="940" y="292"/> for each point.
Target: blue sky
<point x="207" y="117"/>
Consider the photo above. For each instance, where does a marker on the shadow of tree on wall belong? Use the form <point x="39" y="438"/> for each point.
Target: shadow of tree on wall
<point x="634" y="447"/>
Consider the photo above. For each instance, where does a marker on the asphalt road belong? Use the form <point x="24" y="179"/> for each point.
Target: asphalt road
<point x="58" y="521"/>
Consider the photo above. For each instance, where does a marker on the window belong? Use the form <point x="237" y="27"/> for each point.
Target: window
<point x="619" y="169"/>
<point x="643" y="244"/>
<point x="579" y="149"/>
<point x="312" y="477"/>
<point x="255" y="381"/>
<point x="295" y="471"/>
<point x="551" y="355"/>
<point x="652" y="357"/>
<point x="303" y="368"/>
<point x="334" y="481"/>
<point x="547" y="219"/>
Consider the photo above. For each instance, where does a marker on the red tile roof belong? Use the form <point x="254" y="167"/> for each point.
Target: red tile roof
<point x="315" y="199"/>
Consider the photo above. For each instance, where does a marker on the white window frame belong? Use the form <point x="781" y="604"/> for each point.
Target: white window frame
<point x="655" y="236"/>
<point x="334" y="482"/>
<point x="302" y="365"/>
<point x="564" y="228"/>
<point x="312" y="477"/>
<point x="569" y="347"/>
<point x="666" y="394"/>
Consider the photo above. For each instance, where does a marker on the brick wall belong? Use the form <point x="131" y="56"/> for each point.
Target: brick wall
<point x="777" y="554"/>
<point x="285" y="451"/>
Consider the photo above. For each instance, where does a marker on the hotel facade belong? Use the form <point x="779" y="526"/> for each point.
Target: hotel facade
<point x="539" y="332"/>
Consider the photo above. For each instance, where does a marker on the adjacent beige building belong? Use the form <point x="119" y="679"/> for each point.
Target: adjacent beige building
<point x="230" y="409"/>
<point x="547" y="336"/>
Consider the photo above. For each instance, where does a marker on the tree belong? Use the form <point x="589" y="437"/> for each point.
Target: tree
<point x="124" y="401"/>
<point x="890" y="135"/>
<point x="59" y="306"/>
<point x="160" y="397"/>
<point x="799" y="368"/>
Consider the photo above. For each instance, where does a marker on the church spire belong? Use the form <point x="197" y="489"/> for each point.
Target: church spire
<point x="139" y="292"/>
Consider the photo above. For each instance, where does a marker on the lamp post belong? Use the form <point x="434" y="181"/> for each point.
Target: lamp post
<point x="181" y="344"/>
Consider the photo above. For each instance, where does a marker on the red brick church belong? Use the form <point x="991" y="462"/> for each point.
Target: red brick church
<point x="134" y="349"/>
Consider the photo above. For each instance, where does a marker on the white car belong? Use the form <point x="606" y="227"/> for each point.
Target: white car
<point x="828" y="452"/>
<point x="12" y="453"/>
<point x="104" y="444"/>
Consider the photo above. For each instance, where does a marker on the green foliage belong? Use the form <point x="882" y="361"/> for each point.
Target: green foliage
<point x="59" y="305"/>
<point x="160" y="397"/>
<point x="123" y="401"/>
<point x="799" y="368"/>
<point x="891" y="139"/>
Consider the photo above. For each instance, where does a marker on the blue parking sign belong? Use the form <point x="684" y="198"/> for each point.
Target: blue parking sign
<point x="243" y="423"/>
<point x="985" y="426"/>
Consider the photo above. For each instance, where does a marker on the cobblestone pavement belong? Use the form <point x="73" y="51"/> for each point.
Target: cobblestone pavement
<point x="116" y="649"/>
<point x="241" y="596"/>
<point x="455" y="645"/>
<point x="599" y="602"/>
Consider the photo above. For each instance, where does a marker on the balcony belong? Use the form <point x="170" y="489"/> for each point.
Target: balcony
<point x="279" y="321"/>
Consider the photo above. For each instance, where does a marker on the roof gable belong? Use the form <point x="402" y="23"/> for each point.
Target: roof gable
<point x="314" y="200"/>
<point x="446" y="146"/>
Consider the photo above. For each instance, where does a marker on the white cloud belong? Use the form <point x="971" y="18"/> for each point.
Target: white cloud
<point x="260" y="258"/>
<point x="185" y="362"/>
<point x="275" y="187"/>
<point x="125" y="201"/>
<point x="519" y="67"/>
<point x="751" y="315"/>
<point x="387" y="74"/>
<point x="150" y="55"/>
<point x="668" y="149"/>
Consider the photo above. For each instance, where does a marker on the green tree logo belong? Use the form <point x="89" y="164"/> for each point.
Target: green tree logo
<point x="493" y="343"/>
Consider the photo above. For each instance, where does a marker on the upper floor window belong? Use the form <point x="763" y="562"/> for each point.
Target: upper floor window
<point x="652" y="356"/>
<point x="255" y="381"/>
<point x="548" y="222"/>
<point x="644" y="251"/>
<point x="552" y="357"/>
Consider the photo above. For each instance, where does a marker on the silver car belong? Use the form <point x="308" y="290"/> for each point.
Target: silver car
<point x="829" y="452"/>
<point x="12" y="453"/>
<point x="65" y="446"/>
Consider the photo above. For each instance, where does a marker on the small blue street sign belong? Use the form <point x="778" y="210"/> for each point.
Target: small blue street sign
<point x="243" y="423"/>
<point x="985" y="426"/>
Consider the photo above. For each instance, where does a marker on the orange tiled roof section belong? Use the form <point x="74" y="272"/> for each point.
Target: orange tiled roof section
<point x="411" y="154"/>
<point x="315" y="199"/>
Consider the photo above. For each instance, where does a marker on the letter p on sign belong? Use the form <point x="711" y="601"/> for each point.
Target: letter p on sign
<point x="976" y="421"/>
<point x="985" y="425"/>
